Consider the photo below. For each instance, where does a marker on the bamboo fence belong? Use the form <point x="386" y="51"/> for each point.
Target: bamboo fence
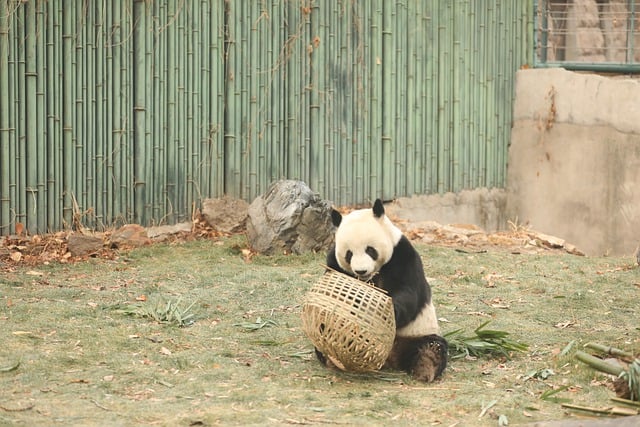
<point x="134" y="111"/>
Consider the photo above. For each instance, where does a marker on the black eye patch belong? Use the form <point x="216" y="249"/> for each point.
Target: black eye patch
<point x="348" y="256"/>
<point x="372" y="252"/>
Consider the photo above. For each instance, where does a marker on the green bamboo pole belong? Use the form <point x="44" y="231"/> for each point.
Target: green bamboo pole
<point x="318" y="102"/>
<point x="484" y="37"/>
<point x="415" y="39"/>
<point x="277" y="131"/>
<point x="140" y="185"/>
<point x="294" y="99"/>
<point x="376" y="133"/>
<point x="245" y="105"/>
<point x="41" y="133"/>
<point x="110" y="191"/>
<point x="470" y="90"/>
<point x="363" y="105"/>
<point x="90" y="120"/>
<point x="101" y="129"/>
<point x="173" y="119"/>
<point x="261" y="40"/>
<point x="193" y="31"/>
<point x="233" y="75"/>
<point x="129" y="107"/>
<point x="153" y="200"/>
<point x="161" y="118"/>
<point x="5" y="122"/>
<point x="430" y="97"/>
<point x="203" y="67"/>
<point x="182" y="111"/>
<point x="388" y="104"/>
<point x="119" y="95"/>
<point x="443" y="122"/>
<point x="68" y="97"/>
<point x="14" y="127"/>
<point x="79" y="166"/>
<point x="23" y="193"/>
<point x="216" y="125"/>
<point x="253" y="66"/>
<point x="403" y="145"/>
<point x="56" y="64"/>
<point x="341" y="147"/>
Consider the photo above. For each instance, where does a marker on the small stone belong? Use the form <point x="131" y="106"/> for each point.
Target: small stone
<point x="225" y="214"/>
<point x="130" y="235"/>
<point x="80" y="245"/>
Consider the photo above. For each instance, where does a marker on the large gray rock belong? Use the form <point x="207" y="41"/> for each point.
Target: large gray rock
<point x="289" y="217"/>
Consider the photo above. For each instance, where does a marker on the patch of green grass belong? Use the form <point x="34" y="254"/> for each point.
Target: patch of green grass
<point x="243" y="359"/>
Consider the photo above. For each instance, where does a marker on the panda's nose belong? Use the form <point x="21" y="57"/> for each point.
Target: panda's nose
<point x="360" y="272"/>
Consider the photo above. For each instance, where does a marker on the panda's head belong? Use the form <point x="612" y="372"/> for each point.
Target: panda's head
<point x="365" y="240"/>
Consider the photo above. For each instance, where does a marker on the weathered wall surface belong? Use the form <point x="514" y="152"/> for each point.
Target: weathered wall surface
<point x="482" y="207"/>
<point x="574" y="159"/>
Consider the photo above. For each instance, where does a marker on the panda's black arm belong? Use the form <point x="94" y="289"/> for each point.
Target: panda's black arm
<point x="403" y="277"/>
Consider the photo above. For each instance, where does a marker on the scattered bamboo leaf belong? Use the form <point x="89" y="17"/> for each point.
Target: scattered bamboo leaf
<point x="485" y="342"/>
<point x="550" y="395"/>
<point x="567" y="348"/>
<point x="487" y="407"/>
<point x="258" y="324"/>
<point x="11" y="367"/>
<point x="161" y="310"/>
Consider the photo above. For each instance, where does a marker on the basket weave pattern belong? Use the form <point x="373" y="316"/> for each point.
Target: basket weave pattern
<point x="349" y="321"/>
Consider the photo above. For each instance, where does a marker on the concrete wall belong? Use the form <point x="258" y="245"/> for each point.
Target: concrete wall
<point x="482" y="207"/>
<point x="574" y="159"/>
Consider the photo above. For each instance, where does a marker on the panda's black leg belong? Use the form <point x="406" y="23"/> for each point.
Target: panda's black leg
<point x="424" y="358"/>
<point x="430" y="358"/>
<point x="321" y="357"/>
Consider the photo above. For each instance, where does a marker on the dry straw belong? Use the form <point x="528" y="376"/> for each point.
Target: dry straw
<point x="351" y="322"/>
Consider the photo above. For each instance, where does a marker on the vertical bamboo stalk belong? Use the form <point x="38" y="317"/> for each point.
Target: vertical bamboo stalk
<point x="217" y="129"/>
<point x="160" y="118"/>
<point x="91" y="140"/>
<point x="68" y="96"/>
<point x="99" y="132"/>
<point x="154" y="211"/>
<point x="252" y="65"/>
<point x="139" y="113"/>
<point x="413" y="37"/>
<point x="5" y="122"/>
<point x="376" y="65"/>
<point x="79" y="165"/>
<point x="457" y="151"/>
<point x="434" y="95"/>
<point x="41" y="133"/>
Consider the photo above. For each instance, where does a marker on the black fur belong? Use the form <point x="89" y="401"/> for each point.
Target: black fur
<point x="403" y="278"/>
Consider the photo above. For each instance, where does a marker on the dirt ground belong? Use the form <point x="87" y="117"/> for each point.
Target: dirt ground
<point x="199" y="330"/>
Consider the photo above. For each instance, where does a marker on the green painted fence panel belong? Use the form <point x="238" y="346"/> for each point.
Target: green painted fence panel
<point x="134" y="111"/>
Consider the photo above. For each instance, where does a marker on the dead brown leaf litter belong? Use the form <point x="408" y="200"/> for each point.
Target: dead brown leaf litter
<point x="80" y="360"/>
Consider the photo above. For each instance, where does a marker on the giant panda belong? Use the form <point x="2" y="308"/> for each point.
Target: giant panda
<point x="370" y="247"/>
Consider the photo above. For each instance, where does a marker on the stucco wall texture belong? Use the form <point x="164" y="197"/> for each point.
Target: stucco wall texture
<point x="574" y="159"/>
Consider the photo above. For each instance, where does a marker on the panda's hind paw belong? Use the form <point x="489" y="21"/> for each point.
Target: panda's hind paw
<point x="431" y="359"/>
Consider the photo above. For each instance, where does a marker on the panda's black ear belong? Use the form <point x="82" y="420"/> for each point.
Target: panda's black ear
<point x="336" y="217"/>
<point x="378" y="209"/>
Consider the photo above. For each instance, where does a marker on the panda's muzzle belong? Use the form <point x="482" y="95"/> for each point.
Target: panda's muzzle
<point x="363" y="275"/>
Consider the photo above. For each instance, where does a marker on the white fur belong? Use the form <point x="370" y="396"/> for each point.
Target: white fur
<point x="425" y="324"/>
<point x="360" y="229"/>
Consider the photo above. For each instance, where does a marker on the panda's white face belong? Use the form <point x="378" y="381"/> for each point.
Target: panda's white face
<point x="364" y="241"/>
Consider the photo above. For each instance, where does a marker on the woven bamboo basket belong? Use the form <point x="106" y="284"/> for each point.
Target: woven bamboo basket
<point x="351" y="322"/>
